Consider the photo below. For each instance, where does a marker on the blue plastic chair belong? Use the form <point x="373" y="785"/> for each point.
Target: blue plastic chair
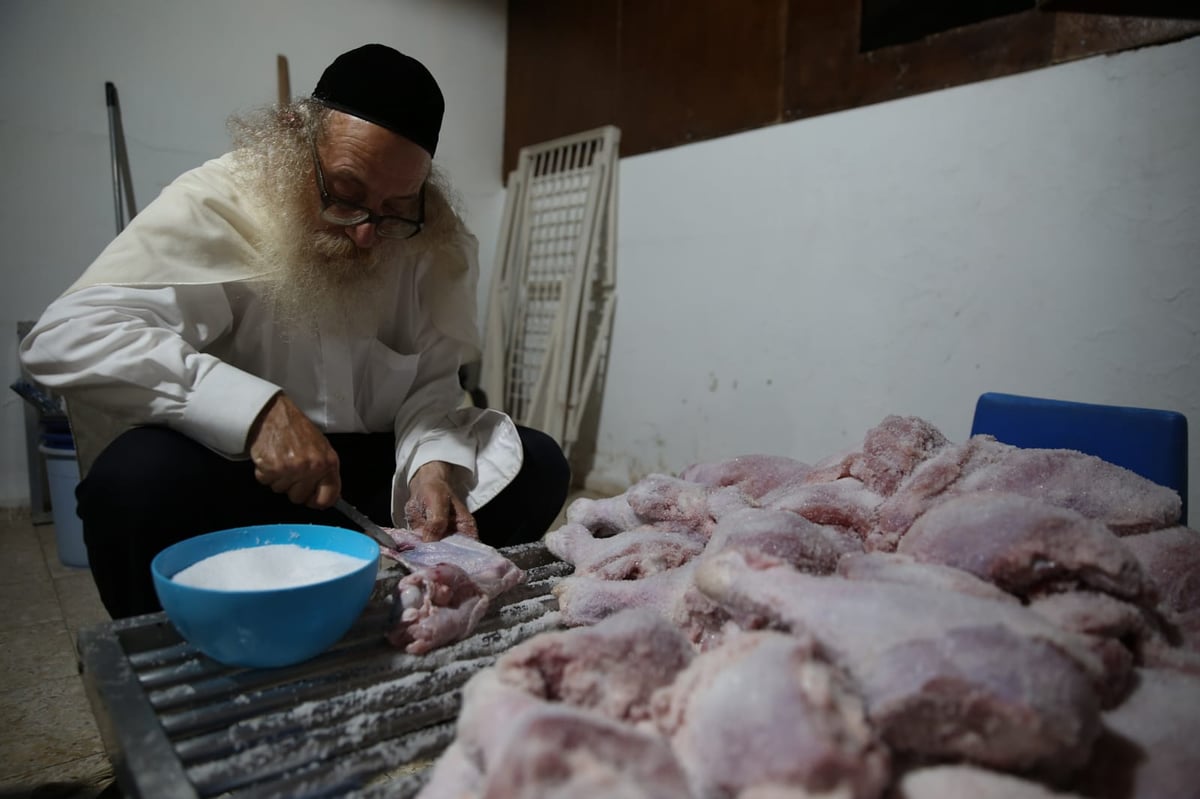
<point x="1152" y="443"/>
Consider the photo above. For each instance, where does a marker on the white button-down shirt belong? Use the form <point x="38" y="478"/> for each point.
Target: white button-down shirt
<point x="201" y="350"/>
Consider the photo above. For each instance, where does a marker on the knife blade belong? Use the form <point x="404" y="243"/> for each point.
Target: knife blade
<point x="371" y="528"/>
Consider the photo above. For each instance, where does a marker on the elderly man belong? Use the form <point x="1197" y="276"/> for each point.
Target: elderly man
<point x="282" y="326"/>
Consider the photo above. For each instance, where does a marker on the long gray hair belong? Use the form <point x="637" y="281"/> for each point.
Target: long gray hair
<point x="272" y="145"/>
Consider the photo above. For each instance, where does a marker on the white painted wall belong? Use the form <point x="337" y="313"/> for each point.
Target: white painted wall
<point x="782" y="290"/>
<point x="180" y="69"/>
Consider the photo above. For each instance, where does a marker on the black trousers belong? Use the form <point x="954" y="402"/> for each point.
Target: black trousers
<point x="153" y="487"/>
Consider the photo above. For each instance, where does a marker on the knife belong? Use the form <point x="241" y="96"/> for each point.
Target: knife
<point x="371" y="528"/>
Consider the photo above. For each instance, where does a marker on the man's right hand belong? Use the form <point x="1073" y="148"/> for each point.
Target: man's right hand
<point x="292" y="456"/>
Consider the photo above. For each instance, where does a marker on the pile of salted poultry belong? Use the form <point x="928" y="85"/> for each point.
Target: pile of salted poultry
<point x="913" y="619"/>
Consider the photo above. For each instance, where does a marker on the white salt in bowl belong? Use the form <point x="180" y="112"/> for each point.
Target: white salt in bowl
<point x="269" y="595"/>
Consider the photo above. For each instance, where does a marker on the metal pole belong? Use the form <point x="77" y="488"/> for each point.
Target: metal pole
<point x="122" y="180"/>
<point x="110" y="98"/>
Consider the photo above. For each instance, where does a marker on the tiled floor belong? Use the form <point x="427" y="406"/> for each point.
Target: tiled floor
<point x="49" y="744"/>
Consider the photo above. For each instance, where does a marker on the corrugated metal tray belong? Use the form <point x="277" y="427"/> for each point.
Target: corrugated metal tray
<point x="362" y="719"/>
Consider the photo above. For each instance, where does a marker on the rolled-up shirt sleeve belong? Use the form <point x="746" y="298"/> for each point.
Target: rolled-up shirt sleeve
<point x="137" y="352"/>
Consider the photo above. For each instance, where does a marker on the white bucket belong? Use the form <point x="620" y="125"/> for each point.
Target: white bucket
<point x="62" y="472"/>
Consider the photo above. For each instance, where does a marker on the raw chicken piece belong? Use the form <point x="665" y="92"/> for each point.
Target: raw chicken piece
<point x="930" y="483"/>
<point x="1151" y="745"/>
<point x="845" y="502"/>
<point x="584" y="601"/>
<point x="454" y="776"/>
<point x="630" y="555"/>
<point x="754" y="475"/>
<point x="1118" y="630"/>
<point x="890" y="567"/>
<point x="969" y="782"/>
<point x="833" y="467"/>
<point x="612" y="667"/>
<point x="449" y="590"/>
<point x="784" y="536"/>
<point x="1126" y="502"/>
<point x="943" y="674"/>
<point x="661" y="498"/>
<point x="603" y="516"/>
<point x="1095" y="613"/>
<point x="762" y="710"/>
<point x="1160" y="653"/>
<point x="557" y="751"/>
<point x="768" y="790"/>
<point x="489" y="707"/>
<point x="594" y="594"/>
<point x="487" y="568"/>
<point x="776" y="536"/>
<point x="523" y="746"/>
<point x="727" y="500"/>
<point x="1023" y="545"/>
<point x="434" y="606"/>
<point x="988" y="695"/>
<point x="891" y="451"/>
<point x="573" y="543"/>
<point x="1171" y="561"/>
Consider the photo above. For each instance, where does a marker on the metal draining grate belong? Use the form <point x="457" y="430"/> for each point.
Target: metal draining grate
<point x="361" y="720"/>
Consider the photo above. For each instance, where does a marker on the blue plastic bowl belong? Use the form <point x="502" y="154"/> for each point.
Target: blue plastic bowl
<point x="272" y="627"/>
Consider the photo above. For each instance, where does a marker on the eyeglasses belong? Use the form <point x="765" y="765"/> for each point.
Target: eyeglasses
<point x="340" y="212"/>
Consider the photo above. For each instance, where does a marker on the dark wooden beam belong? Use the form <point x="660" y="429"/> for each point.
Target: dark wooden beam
<point x="671" y="72"/>
<point x="1171" y="9"/>
<point x="562" y="72"/>
<point x="1082" y="35"/>
<point x="697" y="69"/>
<point x="825" y="71"/>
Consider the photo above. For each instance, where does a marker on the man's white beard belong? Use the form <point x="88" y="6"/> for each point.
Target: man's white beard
<point x="321" y="276"/>
<point x="316" y="275"/>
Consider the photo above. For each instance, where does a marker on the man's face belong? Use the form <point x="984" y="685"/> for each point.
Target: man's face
<point x="368" y="166"/>
<point x="319" y="268"/>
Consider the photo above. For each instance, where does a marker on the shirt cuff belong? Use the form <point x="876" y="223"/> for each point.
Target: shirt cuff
<point x="223" y="406"/>
<point x="446" y="448"/>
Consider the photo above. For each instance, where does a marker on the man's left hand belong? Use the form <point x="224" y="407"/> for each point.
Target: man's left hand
<point x="434" y="510"/>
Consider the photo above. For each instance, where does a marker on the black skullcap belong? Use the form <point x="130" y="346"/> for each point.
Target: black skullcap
<point x="386" y="87"/>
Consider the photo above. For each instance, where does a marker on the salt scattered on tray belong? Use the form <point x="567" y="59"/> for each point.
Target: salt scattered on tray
<point x="267" y="567"/>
